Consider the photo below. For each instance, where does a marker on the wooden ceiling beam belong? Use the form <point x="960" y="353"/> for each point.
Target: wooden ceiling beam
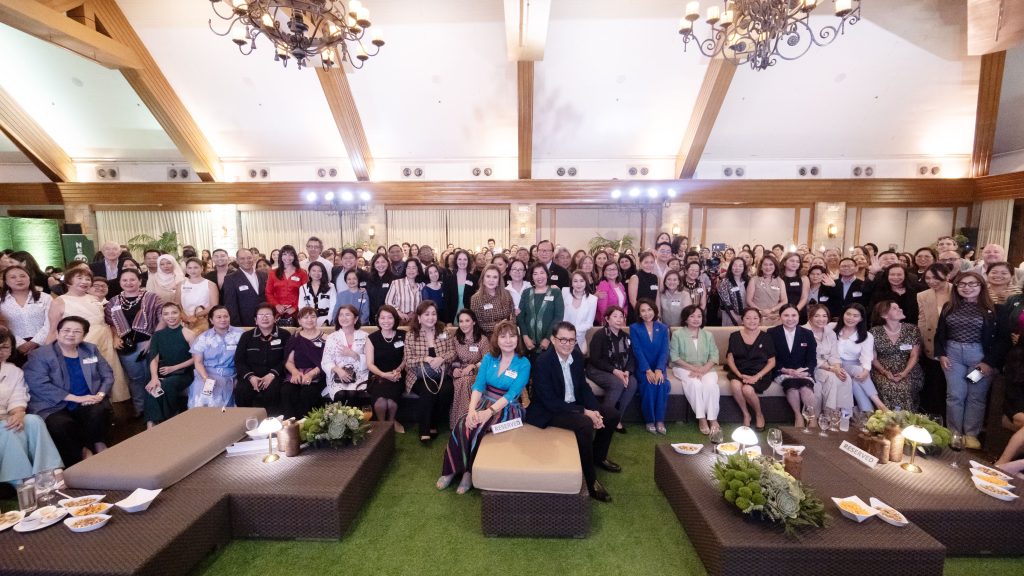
<point x="33" y="141"/>
<point x="990" y="85"/>
<point x="157" y="94"/>
<point x="994" y="25"/>
<point x="61" y="6"/>
<point x="526" y="29"/>
<point x="524" y="91"/>
<point x="55" y="27"/>
<point x="1000" y="187"/>
<point x="346" y="117"/>
<point x="713" y="89"/>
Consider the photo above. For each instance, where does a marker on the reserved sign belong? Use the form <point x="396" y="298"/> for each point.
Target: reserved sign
<point x="863" y="457"/>
<point x="507" y="425"/>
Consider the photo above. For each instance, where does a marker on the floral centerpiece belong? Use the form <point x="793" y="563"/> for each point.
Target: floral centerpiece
<point x="880" y="419"/>
<point x="335" y="424"/>
<point x="760" y="486"/>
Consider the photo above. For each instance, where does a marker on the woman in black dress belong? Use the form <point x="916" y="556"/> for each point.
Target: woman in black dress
<point x="750" y="362"/>
<point x="797" y="286"/>
<point x="643" y="284"/>
<point x="302" y="391"/>
<point x="378" y="284"/>
<point x="385" y="358"/>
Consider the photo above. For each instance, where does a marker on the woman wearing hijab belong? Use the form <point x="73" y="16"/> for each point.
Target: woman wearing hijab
<point x="168" y="277"/>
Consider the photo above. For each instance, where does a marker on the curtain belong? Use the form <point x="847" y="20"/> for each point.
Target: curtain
<point x="996" y="219"/>
<point x="270" y="229"/>
<point x="470" y="228"/>
<point x="418" y="227"/>
<point x="193" y="227"/>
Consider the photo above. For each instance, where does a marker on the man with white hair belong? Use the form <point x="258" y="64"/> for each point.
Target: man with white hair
<point x="993" y="253"/>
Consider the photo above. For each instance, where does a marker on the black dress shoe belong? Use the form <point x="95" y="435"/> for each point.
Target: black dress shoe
<point x="621" y="430"/>
<point x="609" y="465"/>
<point x="599" y="493"/>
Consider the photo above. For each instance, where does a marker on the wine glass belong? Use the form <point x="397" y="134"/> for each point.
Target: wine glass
<point x="45" y="483"/>
<point x="251" y="424"/>
<point x="808" y="414"/>
<point x="835" y="416"/>
<point x="775" y="440"/>
<point x="824" y="421"/>
<point x="716" y="436"/>
<point x="956" y="444"/>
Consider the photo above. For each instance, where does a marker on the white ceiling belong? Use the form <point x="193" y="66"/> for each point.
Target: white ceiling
<point x="614" y="89"/>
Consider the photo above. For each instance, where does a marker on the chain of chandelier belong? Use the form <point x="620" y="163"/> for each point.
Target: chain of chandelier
<point x="302" y="30"/>
<point x="761" y="32"/>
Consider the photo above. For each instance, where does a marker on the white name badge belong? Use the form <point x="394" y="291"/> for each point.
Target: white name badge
<point x="275" y="342"/>
<point x="654" y="287"/>
<point x="856" y="294"/>
<point x="469" y="282"/>
<point x="294" y="278"/>
<point x="506" y="426"/>
<point x="823" y="299"/>
<point x="208" y="386"/>
<point x="362" y="284"/>
<point x="91" y="360"/>
<point x="318" y="344"/>
<point x="115" y="308"/>
<point x="700" y="290"/>
<point x="386" y="285"/>
<point x="794" y="283"/>
<point x="399" y="344"/>
<point x="511" y="373"/>
<point x="735" y="289"/>
<point x="677" y="303"/>
<point x="488" y="306"/>
<point x="549" y="298"/>
<point x="774" y="287"/>
<point x="474" y="348"/>
<point x="443" y="336"/>
<point x="361" y="300"/>
<point x="863" y="457"/>
<point x="243" y="288"/>
<point x="231" y="346"/>
<point x="554" y="277"/>
<point x="906" y="347"/>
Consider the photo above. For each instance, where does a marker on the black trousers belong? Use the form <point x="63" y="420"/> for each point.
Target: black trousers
<point x="432" y="408"/>
<point x="297" y="400"/>
<point x="269" y="398"/>
<point x="593" y="444"/>
<point x="933" y="394"/>
<point x="350" y="397"/>
<point x="83" y="427"/>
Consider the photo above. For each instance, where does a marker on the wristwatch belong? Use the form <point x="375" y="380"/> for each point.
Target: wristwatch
<point x="101" y="394"/>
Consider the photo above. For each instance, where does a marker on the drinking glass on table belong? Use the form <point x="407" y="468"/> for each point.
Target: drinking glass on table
<point x="251" y="424"/>
<point x="835" y="416"/>
<point x="716" y="436"/>
<point x="775" y="440"/>
<point x="27" y="496"/>
<point x="956" y="444"/>
<point x="824" y="421"/>
<point x="808" y="414"/>
<point x="45" y="483"/>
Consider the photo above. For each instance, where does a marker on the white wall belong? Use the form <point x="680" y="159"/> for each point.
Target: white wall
<point x="575" y="227"/>
<point x="907" y="228"/>
<point x="738" y="226"/>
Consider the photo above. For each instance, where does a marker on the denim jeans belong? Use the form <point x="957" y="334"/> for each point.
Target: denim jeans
<point x="965" y="401"/>
<point x="136" y="368"/>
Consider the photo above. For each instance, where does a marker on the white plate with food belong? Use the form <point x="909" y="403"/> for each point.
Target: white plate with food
<point x="854" y="508"/>
<point x="994" y="491"/>
<point x="989" y="479"/>
<point x="686" y="448"/>
<point x="791" y="448"/>
<point x="989" y="470"/>
<point x="41" y="518"/>
<point x="9" y="519"/>
<point x="753" y="452"/>
<point x="87" y="523"/>
<point x="888" y="513"/>
<point x="139" y="500"/>
<point x="728" y="449"/>
<point x="91" y="509"/>
<point x="81" y="500"/>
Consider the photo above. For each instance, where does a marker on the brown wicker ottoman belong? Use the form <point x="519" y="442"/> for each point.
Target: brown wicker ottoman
<point x="531" y="484"/>
<point x="731" y="544"/>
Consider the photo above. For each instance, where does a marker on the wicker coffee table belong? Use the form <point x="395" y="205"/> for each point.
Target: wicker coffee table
<point x="941" y="500"/>
<point x="730" y="544"/>
<point x="316" y="495"/>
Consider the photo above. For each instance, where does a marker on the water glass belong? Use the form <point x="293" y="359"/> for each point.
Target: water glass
<point x="775" y="440"/>
<point x="27" y="496"/>
<point x="808" y="414"/>
<point x="956" y="444"/>
<point x="824" y="421"/>
<point x="716" y="436"/>
<point x="45" y="483"/>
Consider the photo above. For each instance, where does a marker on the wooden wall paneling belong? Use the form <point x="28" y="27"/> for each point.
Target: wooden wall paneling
<point x="994" y="25"/>
<point x="33" y="141"/>
<point x="810" y="228"/>
<point x="990" y="83"/>
<point x="55" y="27"/>
<point x="30" y="194"/>
<point x="856" y="225"/>
<point x="346" y="117"/>
<point x="524" y="89"/>
<point x="755" y="192"/>
<point x="157" y="94"/>
<point x="796" y="227"/>
<point x="1002" y="186"/>
<point x="712" y="93"/>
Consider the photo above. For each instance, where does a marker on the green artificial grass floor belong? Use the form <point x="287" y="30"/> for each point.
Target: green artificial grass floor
<point x="408" y="527"/>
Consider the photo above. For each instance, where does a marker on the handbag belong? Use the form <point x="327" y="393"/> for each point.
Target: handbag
<point x="430" y="376"/>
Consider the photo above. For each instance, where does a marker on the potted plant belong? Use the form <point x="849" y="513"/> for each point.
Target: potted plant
<point x="166" y="243"/>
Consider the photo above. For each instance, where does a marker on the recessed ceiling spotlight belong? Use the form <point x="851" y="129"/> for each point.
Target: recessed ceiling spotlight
<point x="329" y="197"/>
<point x="616" y="193"/>
<point x="310" y="196"/>
<point x="364" y="196"/>
<point x="346" y="196"/>
<point x="634" y="192"/>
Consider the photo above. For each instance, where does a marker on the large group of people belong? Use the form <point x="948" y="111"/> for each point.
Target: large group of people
<point x="470" y="332"/>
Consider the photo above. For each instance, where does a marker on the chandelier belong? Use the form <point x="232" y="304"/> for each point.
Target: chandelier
<point x="760" y="32"/>
<point x="301" y="29"/>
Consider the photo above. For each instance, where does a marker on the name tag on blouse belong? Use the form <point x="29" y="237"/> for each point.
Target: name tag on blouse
<point x="906" y="347"/>
<point x="469" y="282"/>
<point x="275" y="342"/>
<point x="735" y="289"/>
<point x="443" y="336"/>
<point x="823" y="299"/>
<point x="699" y="290"/>
<point x="773" y="287"/>
<point x="115" y="308"/>
<point x="399" y="344"/>
<point x="794" y="283"/>
<point x="803" y="344"/>
<point x="474" y="348"/>
<point x="386" y="285"/>
<point x="511" y="373"/>
<point x="362" y="284"/>
<point x="488" y="306"/>
<point x="91" y="360"/>
<point x="318" y="344"/>
<point x="231" y="346"/>
<point x="360" y="301"/>
<point x="554" y="277"/>
<point x="677" y="303"/>
<point x="294" y="278"/>
<point x="654" y="287"/>
<point x="856" y="294"/>
<point x="549" y="298"/>
<point x="243" y="288"/>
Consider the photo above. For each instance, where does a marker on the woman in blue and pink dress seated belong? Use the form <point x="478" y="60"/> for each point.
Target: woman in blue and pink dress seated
<point x="503" y="374"/>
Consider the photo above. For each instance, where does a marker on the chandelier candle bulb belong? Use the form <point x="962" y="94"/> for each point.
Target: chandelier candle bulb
<point x="692" y="11"/>
<point x="353" y="7"/>
<point x="713" y="14"/>
<point x="810" y="5"/>
<point x="843" y="7"/>
<point x="268" y="20"/>
<point x="726" y="19"/>
<point x="378" y="37"/>
<point x="363" y="17"/>
<point x="685" y="25"/>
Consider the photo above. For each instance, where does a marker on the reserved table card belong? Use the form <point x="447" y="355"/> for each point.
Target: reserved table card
<point x="863" y="457"/>
<point x="507" y="425"/>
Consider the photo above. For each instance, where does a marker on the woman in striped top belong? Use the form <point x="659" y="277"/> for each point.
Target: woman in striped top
<point x="491" y="303"/>
<point x="405" y="293"/>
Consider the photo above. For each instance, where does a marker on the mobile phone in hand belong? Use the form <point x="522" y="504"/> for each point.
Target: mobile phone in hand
<point x="974" y="376"/>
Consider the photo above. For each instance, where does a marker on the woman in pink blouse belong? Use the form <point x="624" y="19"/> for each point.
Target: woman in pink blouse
<point x="610" y="291"/>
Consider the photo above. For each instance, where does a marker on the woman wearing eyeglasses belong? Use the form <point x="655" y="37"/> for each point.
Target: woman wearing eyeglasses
<point x="970" y="346"/>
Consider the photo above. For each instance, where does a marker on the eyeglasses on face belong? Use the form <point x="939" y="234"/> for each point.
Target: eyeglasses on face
<point x="565" y="340"/>
<point x="72" y="332"/>
<point x="967" y="284"/>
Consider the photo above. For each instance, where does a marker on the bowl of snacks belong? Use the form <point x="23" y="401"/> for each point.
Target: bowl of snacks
<point x="87" y="523"/>
<point x="728" y="448"/>
<point x="975" y="465"/>
<point x="81" y="500"/>
<point x="984" y="476"/>
<point x="888" y="513"/>
<point x="91" y="509"/>
<point x="9" y="519"/>
<point x="686" y="448"/>
<point x="854" y="508"/>
<point x="994" y="491"/>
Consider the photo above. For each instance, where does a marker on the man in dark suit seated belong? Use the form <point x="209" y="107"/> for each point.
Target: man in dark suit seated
<point x="244" y="290"/>
<point x="562" y="398"/>
<point x="849" y="288"/>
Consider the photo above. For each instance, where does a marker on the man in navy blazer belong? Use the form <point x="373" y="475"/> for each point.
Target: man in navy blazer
<point x="796" y="357"/>
<point x="244" y="290"/>
<point x="849" y="289"/>
<point x="562" y="398"/>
